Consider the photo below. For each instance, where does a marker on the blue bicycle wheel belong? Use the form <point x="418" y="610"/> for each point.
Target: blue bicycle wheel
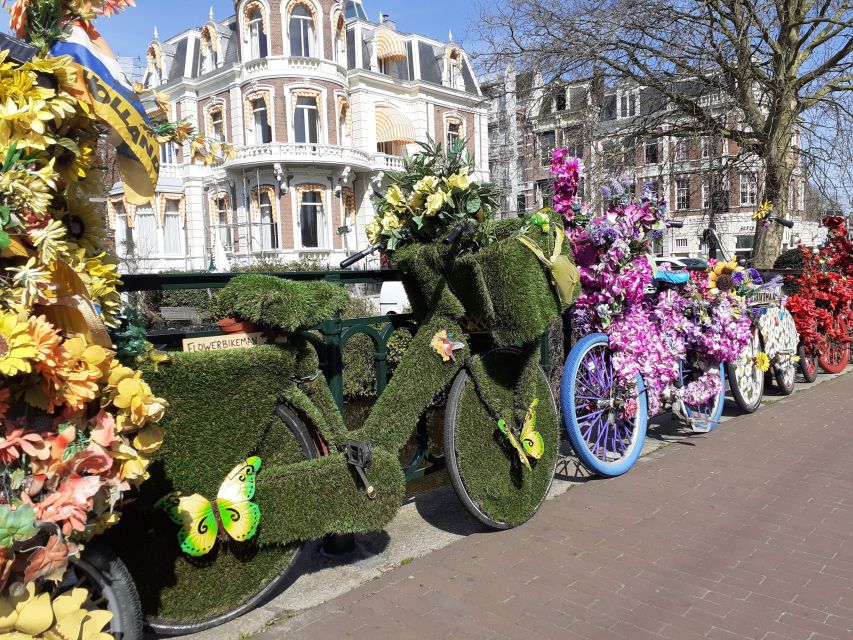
<point x="706" y="416"/>
<point x="606" y="443"/>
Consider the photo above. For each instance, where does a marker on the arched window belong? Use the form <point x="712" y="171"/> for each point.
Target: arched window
<point x="258" y="116"/>
<point x="220" y="219"/>
<point x="155" y="67"/>
<point x="311" y="215"/>
<point x="455" y="130"/>
<point x="216" y="123"/>
<point x="257" y="33"/>
<point x="340" y="48"/>
<point x="264" y="219"/>
<point x="455" y="70"/>
<point x="301" y="29"/>
<point x="344" y="122"/>
<point x="306" y="119"/>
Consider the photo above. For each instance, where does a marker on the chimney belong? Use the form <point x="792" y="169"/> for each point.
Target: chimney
<point x="388" y="22"/>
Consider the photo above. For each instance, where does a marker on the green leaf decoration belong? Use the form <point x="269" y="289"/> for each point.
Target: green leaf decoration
<point x="474" y="205"/>
<point x="419" y="221"/>
<point x="5" y="241"/>
<point x="16" y="525"/>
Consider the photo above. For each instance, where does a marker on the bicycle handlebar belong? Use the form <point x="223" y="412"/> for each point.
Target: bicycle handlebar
<point x="358" y="257"/>
<point x="675" y="224"/>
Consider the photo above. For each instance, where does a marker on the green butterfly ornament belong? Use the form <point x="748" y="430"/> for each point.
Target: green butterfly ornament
<point x="529" y="444"/>
<point x="233" y="511"/>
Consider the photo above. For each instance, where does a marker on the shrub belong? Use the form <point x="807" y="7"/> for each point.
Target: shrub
<point x="791" y="259"/>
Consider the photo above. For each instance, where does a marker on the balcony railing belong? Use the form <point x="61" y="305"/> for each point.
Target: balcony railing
<point x="299" y="153"/>
<point x="278" y="66"/>
<point x="384" y="162"/>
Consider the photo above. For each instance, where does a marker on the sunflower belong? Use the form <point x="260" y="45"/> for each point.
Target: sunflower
<point x="762" y="362"/>
<point x="84" y="225"/>
<point x="50" y="242"/>
<point x="720" y="277"/>
<point x="30" y="281"/>
<point x="17" y="350"/>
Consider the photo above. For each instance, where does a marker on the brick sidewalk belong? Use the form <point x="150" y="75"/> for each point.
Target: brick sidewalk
<point x="744" y="533"/>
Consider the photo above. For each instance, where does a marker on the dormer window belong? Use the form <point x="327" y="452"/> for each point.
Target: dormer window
<point x="209" y="47"/>
<point x="628" y="104"/>
<point x="453" y="68"/>
<point x="155" y="67"/>
<point x="301" y="31"/>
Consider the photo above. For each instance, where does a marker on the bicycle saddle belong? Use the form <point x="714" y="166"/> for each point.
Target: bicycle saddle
<point x="672" y="277"/>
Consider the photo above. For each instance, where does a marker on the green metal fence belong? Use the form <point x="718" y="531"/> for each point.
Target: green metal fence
<point x="334" y="333"/>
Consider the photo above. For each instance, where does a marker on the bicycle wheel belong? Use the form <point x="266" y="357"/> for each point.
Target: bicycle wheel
<point x="745" y="378"/>
<point x="110" y="587"/>
<point x="705" y="416"/>
<point x="808" y="363"/>
<point x="837" y="354"/>
<point x="182" y="595"/>
<point x="606" y="443"/>
<point x="484" y="470"/>
<point x="785" y="339"/>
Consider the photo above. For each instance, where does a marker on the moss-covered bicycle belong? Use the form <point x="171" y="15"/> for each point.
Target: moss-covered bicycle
<point x="318" y="478"/>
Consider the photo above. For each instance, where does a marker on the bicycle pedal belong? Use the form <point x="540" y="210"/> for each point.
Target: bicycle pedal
<point x="360" y="457"/>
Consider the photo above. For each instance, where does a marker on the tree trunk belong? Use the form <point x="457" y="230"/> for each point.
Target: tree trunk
<point x="778" y="167"/>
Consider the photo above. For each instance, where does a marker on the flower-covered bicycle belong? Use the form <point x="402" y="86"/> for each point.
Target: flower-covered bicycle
<point x="646" y="341"/>
<point x="822" y="303"/>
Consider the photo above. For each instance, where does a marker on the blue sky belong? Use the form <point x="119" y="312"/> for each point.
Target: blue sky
<point x="130" y="33"/>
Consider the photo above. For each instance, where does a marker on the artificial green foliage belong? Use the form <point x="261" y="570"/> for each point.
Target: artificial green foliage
<point x="131" y="339"/>
<point x="490" y="469"/>
<point x="16" y="524"/>
<point x="286" y="304"/>
<point x="221" y="411"/>
<point x="420" y="378"/>
<point x="309" y="499"/>
<point x="504" y="284"/>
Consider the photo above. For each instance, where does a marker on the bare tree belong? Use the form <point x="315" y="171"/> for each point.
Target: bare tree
<point x="769" y="63"/>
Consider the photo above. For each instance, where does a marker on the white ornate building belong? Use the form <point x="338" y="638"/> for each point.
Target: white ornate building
<point x="319" y="102"/>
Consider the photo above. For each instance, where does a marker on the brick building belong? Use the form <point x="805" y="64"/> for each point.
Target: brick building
<point x="319" y="103"/>
<point x="528" y="119"/>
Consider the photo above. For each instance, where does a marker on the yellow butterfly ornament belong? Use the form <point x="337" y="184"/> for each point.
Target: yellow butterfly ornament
<point x="529" y="444"/>
<point x="233" y="511"/>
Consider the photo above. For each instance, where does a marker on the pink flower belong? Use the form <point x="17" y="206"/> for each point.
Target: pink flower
<point x="17" y="441"/>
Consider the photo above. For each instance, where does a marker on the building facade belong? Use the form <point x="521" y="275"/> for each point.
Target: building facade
<point x="528" y="119"/>
<point x="319" y="103"/>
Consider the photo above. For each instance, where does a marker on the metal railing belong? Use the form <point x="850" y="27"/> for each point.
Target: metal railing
<point x="334" y="333"/>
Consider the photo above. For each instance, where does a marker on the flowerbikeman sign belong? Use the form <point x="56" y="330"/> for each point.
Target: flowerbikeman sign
<point x="225" y="342"/>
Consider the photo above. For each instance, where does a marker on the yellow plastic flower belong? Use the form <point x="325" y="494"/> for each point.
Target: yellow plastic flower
<point x="459" y="181"/>
<point x="84" y="225"/>
<point x="17" y="350"/>
<point x="134" y="467"/>
<point x="720" y="277"/>
<point x="149" y="439"/>
<point x="416" y="200"/>
<point x="395" y="198"/>
<point x="50" y="242"/>
<point x="390" y="221"/>
<point x="30" y="280"/>
<point x="95" y="357"/>
<point x="30" y="614"/>
<point x="763" y="211"/>
<point x="762" y="362"/>
<point x="47" y="342"/>
<point x="435" y="201"/>
<point x="136" y="403"/>
<point x="427" y="184"/>
<point x="374" y="231"/>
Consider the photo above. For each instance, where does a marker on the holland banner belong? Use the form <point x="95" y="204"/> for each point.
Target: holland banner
<point x="103" y="86"/>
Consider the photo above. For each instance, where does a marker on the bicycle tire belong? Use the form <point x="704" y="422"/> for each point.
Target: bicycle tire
<point x="265" y="591"/>
<point x="708" y="415"/>
<point x="745" y="378"/>
<point x="837" y="354"/>
<point x="808" y="364"/>
<point x="479" y="463"/>
<point x="592" y="449"/>
<point x="110" y="587"/>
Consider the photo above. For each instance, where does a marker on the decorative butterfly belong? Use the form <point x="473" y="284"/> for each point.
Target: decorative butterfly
<point x="530" y="443"/>
<point x="201" y="520"/>
<point x="445" y="345"/>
